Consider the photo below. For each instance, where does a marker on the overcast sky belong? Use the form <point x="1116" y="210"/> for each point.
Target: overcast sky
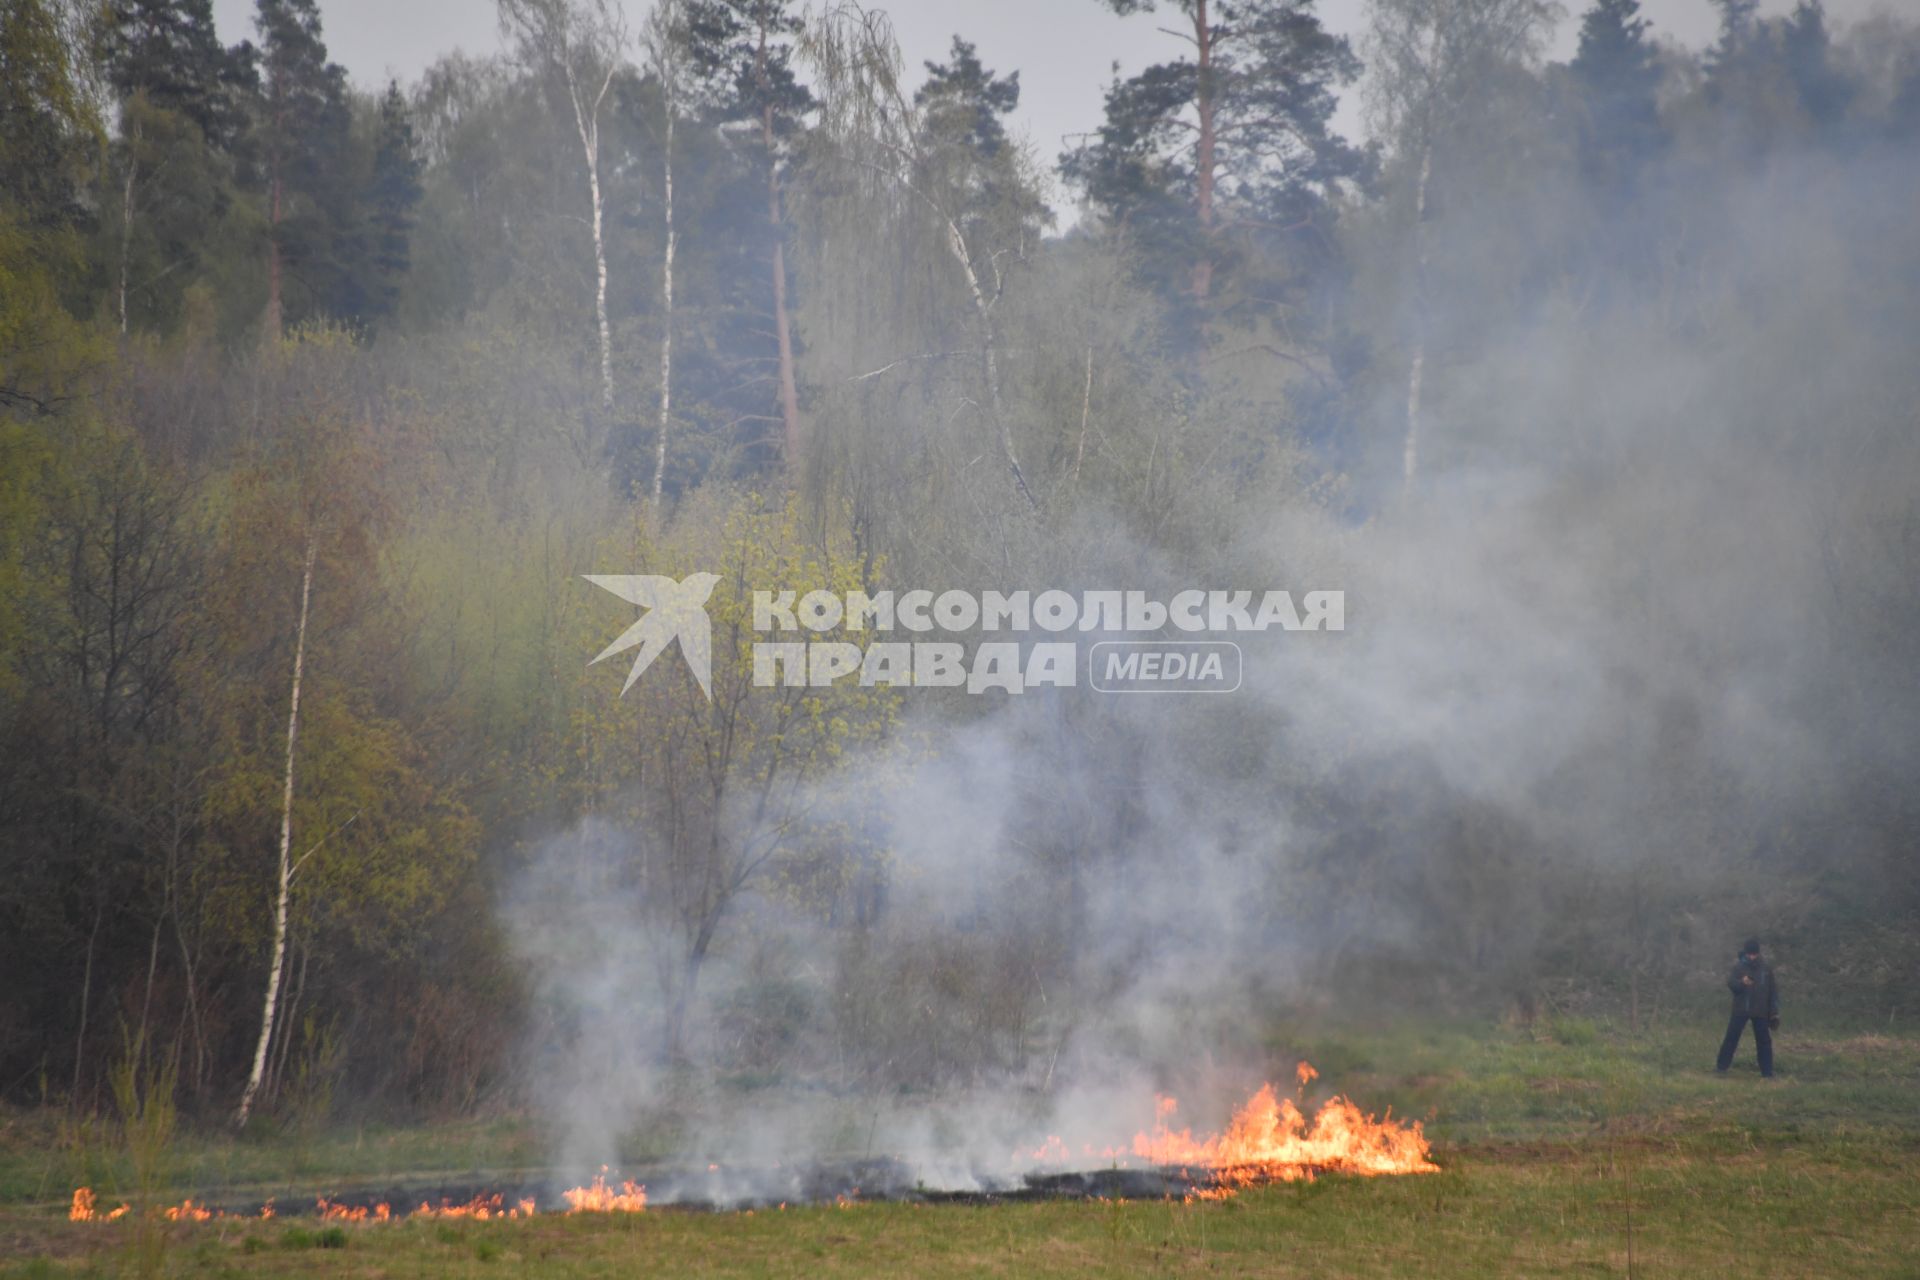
<point x="1063" y="49"/>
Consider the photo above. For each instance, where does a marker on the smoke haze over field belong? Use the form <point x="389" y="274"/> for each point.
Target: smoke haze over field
<point x="1588" y="380"/>
<point x="1617" y="636"/>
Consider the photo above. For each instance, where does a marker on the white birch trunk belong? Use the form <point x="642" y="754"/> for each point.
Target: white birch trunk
<point x="957" y="245"/>
<point x="586" y="119"/>
<point x="1416" y="371"/>
<point x="258" y="1073"/>
<point x="666" y="319"/>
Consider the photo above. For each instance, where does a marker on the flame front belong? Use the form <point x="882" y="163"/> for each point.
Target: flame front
<point x="1269" y="1139"/>
<point x="600" y="1198"/>
<point x="331" y="1212"/>
<point x="84" y="1208"/>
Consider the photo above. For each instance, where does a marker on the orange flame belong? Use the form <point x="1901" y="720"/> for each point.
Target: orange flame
<point x="1269" y="1139"/>
<point x="600" y="1198"/>
<point x="188" y="1211"/>
<point x="331" y="1212"/>
<point x="479" y="1207"/>
<point x="83" y="1208"/>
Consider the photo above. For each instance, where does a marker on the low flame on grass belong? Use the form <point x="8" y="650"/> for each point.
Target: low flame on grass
<point x="481" y="1207"/>
<point x="331" y="1212"/>
<point x="1269" y="1139"/>
<point x="85" y="1208"/>
<point x="600" y="1198"/>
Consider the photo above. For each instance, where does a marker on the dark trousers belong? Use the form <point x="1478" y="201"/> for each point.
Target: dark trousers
<point x="1762" y="1038"/>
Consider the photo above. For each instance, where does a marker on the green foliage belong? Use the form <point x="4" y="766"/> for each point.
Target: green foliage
<point x="1669" y="289"/>
<point x="295" y="1238"/>
<point x="1202" y="158"/>
<point x="50" y="133"/>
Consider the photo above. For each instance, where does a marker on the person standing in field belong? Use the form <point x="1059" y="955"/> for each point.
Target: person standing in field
<point x="1756" y="999"/>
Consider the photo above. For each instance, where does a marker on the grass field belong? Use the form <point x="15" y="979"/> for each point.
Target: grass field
<point x="1571" y="1152"/>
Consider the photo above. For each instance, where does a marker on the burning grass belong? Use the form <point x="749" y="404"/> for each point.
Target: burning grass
<point x="1269" y="1139"/>
<point x="1643" y="1154"/>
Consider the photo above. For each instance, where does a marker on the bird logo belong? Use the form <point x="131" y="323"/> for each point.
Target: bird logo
<point x="674" y="611"/>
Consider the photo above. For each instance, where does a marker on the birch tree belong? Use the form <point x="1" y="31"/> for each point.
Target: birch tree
<point x="580" y="43"/>
<point x="1427" y="59"/>
<point x="871" y="129"/>
<point x="284" y="890"/>
<point x="665" y="40"/>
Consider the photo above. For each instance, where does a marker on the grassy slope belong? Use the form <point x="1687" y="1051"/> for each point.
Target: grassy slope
<point x="1557" y="1151"/>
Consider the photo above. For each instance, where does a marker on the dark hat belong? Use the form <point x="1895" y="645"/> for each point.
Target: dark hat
<point x="1751" y="947"/>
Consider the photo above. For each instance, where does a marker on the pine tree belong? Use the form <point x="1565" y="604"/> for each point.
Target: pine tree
<point x="1233" y="141"/>
<point x="392" y="197"/>
<point x="303" y="123"/>
<point x="962" y="104"/>
<point x="168" y="51"/>
<point x="741" y="57"/>
<point x="962" y="98"/>
<point x="1825" y="92"/>
<point x="1616" y="75"/>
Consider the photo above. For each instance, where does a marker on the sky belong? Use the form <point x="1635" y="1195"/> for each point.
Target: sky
<point x="1065" y="50"/>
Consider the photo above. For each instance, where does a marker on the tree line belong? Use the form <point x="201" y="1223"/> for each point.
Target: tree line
<point x="315" y="402"/>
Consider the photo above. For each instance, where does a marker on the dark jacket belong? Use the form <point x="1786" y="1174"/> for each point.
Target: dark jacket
<point x="1759" y="1000"/>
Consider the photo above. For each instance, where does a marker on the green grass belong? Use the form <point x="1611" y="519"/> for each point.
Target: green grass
<point x="1567" y="1151"/>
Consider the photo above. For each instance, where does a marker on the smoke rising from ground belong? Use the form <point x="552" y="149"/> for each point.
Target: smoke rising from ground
<point x="1647" y="620"/>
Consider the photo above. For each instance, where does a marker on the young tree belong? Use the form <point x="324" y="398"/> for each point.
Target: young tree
<point x="362" y="837"/>
<point x="581" y="44"/>
<point x="717" y="786"/>
<point x="1232" y="140"/>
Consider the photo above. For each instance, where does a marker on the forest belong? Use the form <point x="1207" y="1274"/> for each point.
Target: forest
<point x="1590" y="383"/>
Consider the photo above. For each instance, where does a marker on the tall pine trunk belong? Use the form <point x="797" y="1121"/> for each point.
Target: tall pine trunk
<point x="1205" y="151"/>
<point x="782" y="327"/>
<point x="283" y="894"/>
